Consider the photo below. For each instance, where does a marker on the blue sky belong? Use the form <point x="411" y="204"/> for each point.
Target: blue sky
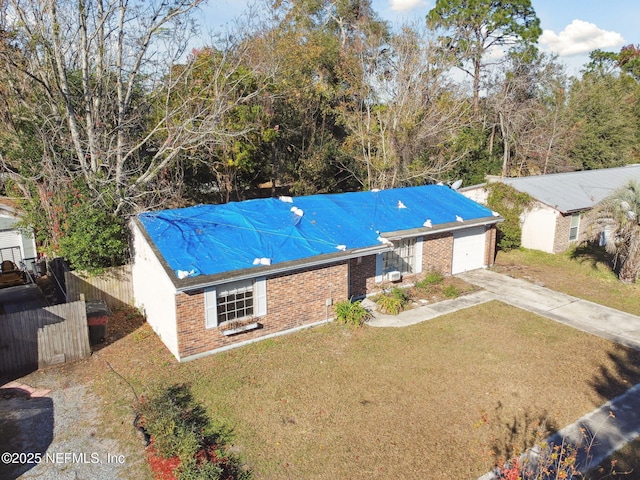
<point x="572" y="28"/>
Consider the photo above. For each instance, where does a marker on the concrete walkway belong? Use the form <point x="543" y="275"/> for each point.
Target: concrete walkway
<point x="427" y="312"/>
<point x="605" y="322"/>
<point x="604" y="430"/>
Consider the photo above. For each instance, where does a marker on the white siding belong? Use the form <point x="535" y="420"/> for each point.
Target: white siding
<point x="29" y="246"/>
<point x="477" y="193"/>
<point x="379" y="263"/>
<point x="539" y="228"/>
<point x="468" y="249"/>
<point x="10" y="241"/>
<point x="153" y="292"/>
<point x="417" y="256"/>
<point x="13" y="237"/>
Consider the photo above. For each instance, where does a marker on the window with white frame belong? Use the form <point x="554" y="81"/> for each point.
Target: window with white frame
<point x="575" y="225"/>
<point x="235" y="301"/>
<point x="406" y="258"/>
<point x="401" y="258"/>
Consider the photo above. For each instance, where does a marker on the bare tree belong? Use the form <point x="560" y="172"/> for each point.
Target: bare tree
<point x="108" y="87"/>
<point x="408" y="111"/>
<point x="527" y="99"/>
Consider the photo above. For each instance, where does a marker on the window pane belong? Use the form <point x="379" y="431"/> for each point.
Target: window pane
<point x="235" y="301"/>
<point x="401" y="258"/>
<point x="573" y="230"/>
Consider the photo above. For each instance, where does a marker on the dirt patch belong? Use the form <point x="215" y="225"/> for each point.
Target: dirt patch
<point x="72" y="429"/>
<point x="449" y="288"/>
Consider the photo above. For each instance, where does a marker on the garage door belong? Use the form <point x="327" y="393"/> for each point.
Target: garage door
<point x="468" y="249"/>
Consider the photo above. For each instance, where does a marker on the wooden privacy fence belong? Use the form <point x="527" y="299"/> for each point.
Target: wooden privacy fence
<point x="114" y="286"/>
<point x="42" y="337"/>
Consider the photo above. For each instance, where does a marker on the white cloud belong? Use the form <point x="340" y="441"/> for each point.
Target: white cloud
<point x="579" y="37"/>
<point x="405" y="5"/>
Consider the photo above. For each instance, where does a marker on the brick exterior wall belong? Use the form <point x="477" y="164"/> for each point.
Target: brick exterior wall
<point x="563" y="224"/>
<point x="437" y="253"/>
<point x="293" y="299"/>
<point x="362" y="273"/>
<point x="561" y="239"/>
<point x="490" y="246"/>
<point x="299" y="298"/>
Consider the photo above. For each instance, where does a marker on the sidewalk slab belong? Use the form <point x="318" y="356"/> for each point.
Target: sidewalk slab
<point x="605" y="429"/>
<point x="617" y="422"/>
<point x="597" y="435"/>
<point x="427" y="312"/>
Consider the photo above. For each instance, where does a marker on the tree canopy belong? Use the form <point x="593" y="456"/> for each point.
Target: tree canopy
<point x="619" y="218"/>
<point x="106" y="113"/>
<point x="473" y="27"/>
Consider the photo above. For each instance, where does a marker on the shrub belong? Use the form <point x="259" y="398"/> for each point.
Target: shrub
<point x="531" y="454"/>
<point x="351" y="313"/>
<point x="392" y="302"/>
<point x="433" y="277"/>
<point x="451" y="291"/>
<point x="511" y="204"/>
<point x="174" y="423"/>
<point x="180" y="429"/>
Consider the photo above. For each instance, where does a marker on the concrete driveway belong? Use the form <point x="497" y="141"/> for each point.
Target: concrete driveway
<point x="590" y="317"/>
<point x="605" y="322"/>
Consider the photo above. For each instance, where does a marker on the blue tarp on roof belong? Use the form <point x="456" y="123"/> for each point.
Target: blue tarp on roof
<point x="213" y="239"/>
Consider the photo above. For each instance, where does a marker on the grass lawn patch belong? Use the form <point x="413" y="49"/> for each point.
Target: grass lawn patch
<point x="623" y="465"/>
<point x="435" y="400"/>
<point x="583" y="273"/>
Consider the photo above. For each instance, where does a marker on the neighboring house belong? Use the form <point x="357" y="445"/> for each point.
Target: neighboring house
<point x="561" y="213"/>
<point x="212" y="277"/>
<point x="16" y="245"/>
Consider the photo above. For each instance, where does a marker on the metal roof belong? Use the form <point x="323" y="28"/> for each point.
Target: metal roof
<point x="213" y="239"/>
<point x="8" y="223"/>
<point x="575" y="191"/>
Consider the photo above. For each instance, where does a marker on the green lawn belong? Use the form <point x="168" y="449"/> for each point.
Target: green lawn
<point x="436" y="400"/>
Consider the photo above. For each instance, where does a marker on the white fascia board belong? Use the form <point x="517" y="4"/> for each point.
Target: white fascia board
<point x="449" y="227"/>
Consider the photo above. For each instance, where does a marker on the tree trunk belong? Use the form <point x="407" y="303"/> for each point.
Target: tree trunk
<point x="631" y="264"/>
<point x="504" y="129"/>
